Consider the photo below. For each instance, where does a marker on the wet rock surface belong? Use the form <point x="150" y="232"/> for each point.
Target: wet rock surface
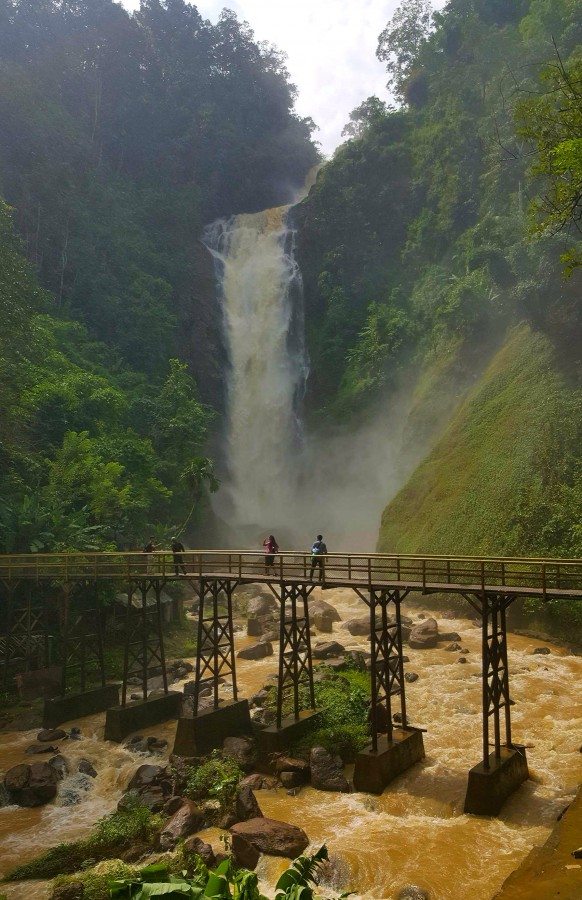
<point x="328" y="650"/>
<point x="425" y="635"/>
<point x="32" y="785"/>
<point x="49" y="735"/>
<point x="269" y="836"/>
<point x="327" y="772"/>
<point x="257" y="651"/>
<point x="242" y="750"/>
<point x="188" y="819"/>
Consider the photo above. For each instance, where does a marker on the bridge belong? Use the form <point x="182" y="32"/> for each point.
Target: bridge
<point x="60" y="596"/>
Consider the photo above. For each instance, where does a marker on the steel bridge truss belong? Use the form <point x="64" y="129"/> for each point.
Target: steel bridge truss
<point x="387" y="663"/>
<point x="215" y="650"/>
<point x="144" y="655"/>
<point x="295" y="661"/>
<point x="81" y="633"/>
<point x="26" y="642"/>
<point x="492" y="609"/>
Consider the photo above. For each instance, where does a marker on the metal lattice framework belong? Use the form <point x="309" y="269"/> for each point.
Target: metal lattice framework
<point x="82" y="656"/>
<point x="26" y="639"/>
<point x="295" y="662"/>
<point x="387" y="663"/>
<point x="215" y="652"/>
<point x="144" y="641"/>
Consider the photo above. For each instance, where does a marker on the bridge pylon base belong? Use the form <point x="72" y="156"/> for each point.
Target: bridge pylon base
<point x="74" y="706"/>
<point x="137" y="714"/>
<point x="275" y="740"/>
<point x="375" y="769"/>
<point x="488" y="789"/>
<point x="200" y="734"/>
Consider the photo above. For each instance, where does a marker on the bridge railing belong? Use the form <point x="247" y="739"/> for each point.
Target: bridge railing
<point x="545" y="577"/>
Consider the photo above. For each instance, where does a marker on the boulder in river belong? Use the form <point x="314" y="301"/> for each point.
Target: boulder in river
<point x="323" y="622"/>
<point x="86" y="768"/>
<point x="327" y="771"/>
<point x="144" y="777"/>
<point x="35" y="749"/>
<point x="246" y="806"/>
<point x="202" y="849"/>
<point x="327" y="650"/>
<point x="359" y="626"/>
<point x="449" y="636"/>
<point x="48" y="735"/>
<point x="259" y="782"/>
<point x="262" y="606"/>
<point x="188" y="819"/>
<point x="256" y="651"/>
<point x="541" y="651"/>
<point x="61" y="765"/>
<point x="425" y="635"/>
<point x="411" y="677"/>
<point x="32" y="785"/>
<point x="269" y="836"/>
<point x="454" y="647"/>
<point x="242" y="750"/>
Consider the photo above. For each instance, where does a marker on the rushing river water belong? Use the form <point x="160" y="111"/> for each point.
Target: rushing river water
<point x="416" y="831"/>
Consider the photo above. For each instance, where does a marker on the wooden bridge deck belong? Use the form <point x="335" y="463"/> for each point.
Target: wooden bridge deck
<point x="519" y="577"/>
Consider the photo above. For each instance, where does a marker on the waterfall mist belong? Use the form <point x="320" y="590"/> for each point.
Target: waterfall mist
<point x="275" y="477"/>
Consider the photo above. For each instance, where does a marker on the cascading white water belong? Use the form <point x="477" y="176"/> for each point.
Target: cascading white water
<point x="259" y="283"/>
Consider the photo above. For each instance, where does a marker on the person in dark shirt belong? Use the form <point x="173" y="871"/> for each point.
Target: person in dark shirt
<point x="149" y="549"/>
<point x="318" y="552"/>
<point x="177" y="550"/>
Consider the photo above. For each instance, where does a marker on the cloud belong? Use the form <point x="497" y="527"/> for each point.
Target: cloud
<point x="331" y="46"/>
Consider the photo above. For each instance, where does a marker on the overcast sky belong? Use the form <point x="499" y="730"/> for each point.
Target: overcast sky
<point x="331" y="45"/>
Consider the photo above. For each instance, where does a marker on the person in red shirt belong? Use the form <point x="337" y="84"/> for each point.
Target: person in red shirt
<point x="270" y="548"/>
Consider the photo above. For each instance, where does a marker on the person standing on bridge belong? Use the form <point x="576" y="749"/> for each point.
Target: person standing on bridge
<point x="149" y="549"/>
<point x="318" y="552"/>
<point x="270" y="547"/>
<point x="177" y="550"/>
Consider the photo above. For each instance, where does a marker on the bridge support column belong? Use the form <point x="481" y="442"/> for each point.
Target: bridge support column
<point x="83" y="689"/>
<point x="295" y="691"/>
<point x="144" y="658"/>
<point x="26" y="653"/>
<point x="501" y="772"/>
<point x="392" y="750"/>
<point x="206" y="729"/>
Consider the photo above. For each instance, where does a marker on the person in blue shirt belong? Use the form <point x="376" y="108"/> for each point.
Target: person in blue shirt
<point x="318" y="552"/>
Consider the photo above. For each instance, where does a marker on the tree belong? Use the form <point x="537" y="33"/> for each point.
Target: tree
<point x="369" y="111"/>
<point x="400" y="42"/>
<point x="553" y="123"/>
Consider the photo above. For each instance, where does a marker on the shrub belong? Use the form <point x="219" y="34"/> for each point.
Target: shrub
<point x="218" y="777"/>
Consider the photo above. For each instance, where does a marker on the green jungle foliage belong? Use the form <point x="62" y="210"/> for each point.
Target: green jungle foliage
<point x="121" y="136"/>
<point x="417" y="233"/>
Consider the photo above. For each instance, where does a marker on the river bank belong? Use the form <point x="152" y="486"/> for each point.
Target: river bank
<point x="551" y="870"/>
<point x="416" y="831"/>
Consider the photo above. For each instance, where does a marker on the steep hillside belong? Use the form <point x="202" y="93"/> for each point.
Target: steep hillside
<point x="505" y="476"/>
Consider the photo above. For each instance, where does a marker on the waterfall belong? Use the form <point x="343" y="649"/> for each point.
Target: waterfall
<point x="260" y="288"/>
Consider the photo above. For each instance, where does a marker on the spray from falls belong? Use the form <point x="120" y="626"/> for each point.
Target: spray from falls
<point x="260" y="287"/>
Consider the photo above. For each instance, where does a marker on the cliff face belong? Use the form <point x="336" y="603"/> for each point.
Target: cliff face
<point x="201" y="339"/>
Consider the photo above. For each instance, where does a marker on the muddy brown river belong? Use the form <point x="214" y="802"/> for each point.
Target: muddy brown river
<point x="416" y="831"/>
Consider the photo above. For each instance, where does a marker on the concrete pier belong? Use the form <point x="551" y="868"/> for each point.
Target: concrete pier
<point x="123" y="720"/>
<point x="74" y="706"/>
<point x="275" y="740"/>
<point x="488" y="789"/>
<point x="376" y="769"/>
<point x="205" y="732"/>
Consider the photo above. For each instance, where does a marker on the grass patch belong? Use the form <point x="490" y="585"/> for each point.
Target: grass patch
<point x="110" y="837"/>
